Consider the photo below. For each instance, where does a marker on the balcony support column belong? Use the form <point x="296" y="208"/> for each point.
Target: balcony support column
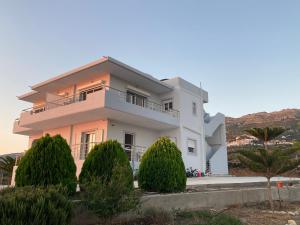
<point x="71" y="135"/>
<point x="74" y="92"/>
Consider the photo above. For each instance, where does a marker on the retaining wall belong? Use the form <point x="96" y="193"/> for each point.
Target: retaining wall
<point x="217" y="199"/>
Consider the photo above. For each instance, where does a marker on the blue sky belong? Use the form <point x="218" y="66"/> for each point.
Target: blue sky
<point x="246" y="54"/>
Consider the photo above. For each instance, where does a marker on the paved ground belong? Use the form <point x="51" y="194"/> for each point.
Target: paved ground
<point x="233" y="180"/>
<point x="229" y="180"/>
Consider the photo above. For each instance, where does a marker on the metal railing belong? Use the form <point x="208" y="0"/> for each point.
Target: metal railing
<point x="134" y="152"/>
<point x="146" y="103"/>
<point x="123" y="97"/>
<point x="78" y="97"/>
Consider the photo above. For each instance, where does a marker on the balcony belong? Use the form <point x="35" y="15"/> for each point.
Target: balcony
<point x="22" y="130"/>
<point x="99" y="103"/>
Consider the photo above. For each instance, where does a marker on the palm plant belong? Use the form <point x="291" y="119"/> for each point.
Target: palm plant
<point x="269" y="163"/>
<point x="6" y="165"/>
<point x="266" y="134"/>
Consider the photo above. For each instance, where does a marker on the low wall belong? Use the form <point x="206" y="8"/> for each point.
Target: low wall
<point x="217" y="199"/>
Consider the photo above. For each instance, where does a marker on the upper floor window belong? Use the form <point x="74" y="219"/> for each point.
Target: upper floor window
<point x="136" y="99"/>
<point x="191" y="145"/>
<point x="194" y="108"/>
<point x="168" y="106"/>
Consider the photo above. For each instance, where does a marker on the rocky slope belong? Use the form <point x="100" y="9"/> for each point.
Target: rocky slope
<point x="287" y="118"/>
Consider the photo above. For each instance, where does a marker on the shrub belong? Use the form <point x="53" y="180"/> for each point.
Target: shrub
<point x="48" y="162"/>
<point x="100" y="163"/>
<point x="34" y="206"/>
<point x="157" y="216"/>
<point x="208" y="218"/>
<point x="162" y="168"/>
<point x="109" y="198"/>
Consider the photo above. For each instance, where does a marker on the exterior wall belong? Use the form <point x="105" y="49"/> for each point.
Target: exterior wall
<point x="143" y="137"/>
<point x="63" y="131"/>
<point x="123" y="86"/>
<point x="99" y="126"/>
<point x="219" y="162"/>
<point x="33" y="137"/>
<point x="191" y="126"/>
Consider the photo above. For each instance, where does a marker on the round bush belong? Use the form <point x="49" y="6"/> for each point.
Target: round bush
<point x="34" y="206"/>
<point x="102" y="160"/>
<point x="162" y="168"/>
<point x="48" y="162"/>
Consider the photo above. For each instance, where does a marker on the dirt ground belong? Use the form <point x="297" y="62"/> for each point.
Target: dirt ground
<point x="260" y="214"/>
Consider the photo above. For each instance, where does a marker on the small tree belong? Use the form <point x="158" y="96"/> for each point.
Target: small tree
<point x="266" y="134"/>
<point x="162" y="168"/>
<point x="48" y="162"/>
<point x="269" y="163"/>
<point x="102" y="160"/>
<point x="6" y="165"/>
<point x="113" y="197"/>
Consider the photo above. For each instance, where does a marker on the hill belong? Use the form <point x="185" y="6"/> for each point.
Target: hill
<point x="287" y="118"/>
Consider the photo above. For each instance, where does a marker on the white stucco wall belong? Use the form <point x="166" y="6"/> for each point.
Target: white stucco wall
<point x="219" y="162"/>
<point x="143" y="136"/>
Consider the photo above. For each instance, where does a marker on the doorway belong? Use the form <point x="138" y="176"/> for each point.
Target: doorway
<point x="88" y="141"/>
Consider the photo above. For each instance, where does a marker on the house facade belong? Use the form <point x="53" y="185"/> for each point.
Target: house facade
<point x="108" y="99"/>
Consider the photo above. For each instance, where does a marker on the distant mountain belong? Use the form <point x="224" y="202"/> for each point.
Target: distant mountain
<point x="287" y="118"/>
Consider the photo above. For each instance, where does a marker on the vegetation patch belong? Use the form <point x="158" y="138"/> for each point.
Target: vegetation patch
<point x="101" y="161"/>
<point x="34" y="206"/>
<point x="48" y="162"/>
<point x="162" y="168"/>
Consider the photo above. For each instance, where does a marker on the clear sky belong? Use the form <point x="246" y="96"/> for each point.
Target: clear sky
<point x="246" y="53"/>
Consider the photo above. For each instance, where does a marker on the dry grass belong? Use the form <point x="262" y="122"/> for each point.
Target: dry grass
<point x="249" y="215"/>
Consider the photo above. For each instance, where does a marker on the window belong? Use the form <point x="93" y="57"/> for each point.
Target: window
<point x="136" y="99"/>
<point x="194" y="108"/>
<point x="168" y="106"/>
<point x="191" y="144"/>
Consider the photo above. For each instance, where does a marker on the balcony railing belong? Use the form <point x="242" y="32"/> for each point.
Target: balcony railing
<point x="134" y="152"/>
<point x="82" y="96"/>
<point x="80" y="152"/>
<point x="123" y="97"/>
<point x="78" y="97"/>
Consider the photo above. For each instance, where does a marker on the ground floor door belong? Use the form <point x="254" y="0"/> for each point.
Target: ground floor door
<point x="129" y="144"/>
<point x="88" y="140"/>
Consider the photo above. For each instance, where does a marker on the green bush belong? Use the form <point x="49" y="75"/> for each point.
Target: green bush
<point x="101" y="161"/>
<point x="34" y="206"/>
<point x="111" y="198"/>
<point x="162" y="168"/>
<point x="48" y="162"/>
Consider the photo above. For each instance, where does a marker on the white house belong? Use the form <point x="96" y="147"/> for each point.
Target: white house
<point x="108" y="99"/>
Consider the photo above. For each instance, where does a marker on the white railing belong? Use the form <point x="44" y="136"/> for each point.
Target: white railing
<point x="82" y="97"/>
<point x="134" y="152"/>
<point x="146" y="103"/>
<point x="78" y="97"/>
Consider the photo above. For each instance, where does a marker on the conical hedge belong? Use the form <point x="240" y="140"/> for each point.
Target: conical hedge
<point x="162" y="168"/>
<point x="48" y="162"/>
<point x="102" y="160"/>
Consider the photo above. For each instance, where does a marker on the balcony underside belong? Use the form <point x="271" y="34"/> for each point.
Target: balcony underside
<point x="98" y="114"/>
